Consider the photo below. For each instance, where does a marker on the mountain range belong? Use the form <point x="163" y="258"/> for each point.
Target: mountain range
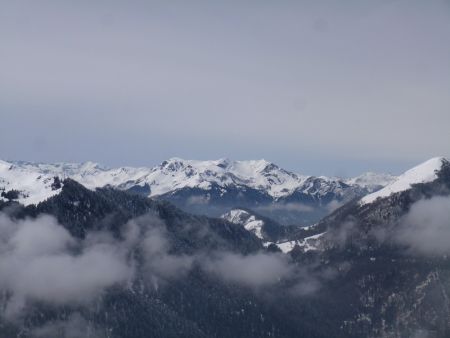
<point x="107" y="261"/>
<point x="202" y="187"/>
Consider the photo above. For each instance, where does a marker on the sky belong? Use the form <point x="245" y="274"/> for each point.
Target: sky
<point x="318" y="87"/>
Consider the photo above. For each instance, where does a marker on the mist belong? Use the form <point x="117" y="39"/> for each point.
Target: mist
<point x="41" y="261"/>
<point x="425" y="229"/>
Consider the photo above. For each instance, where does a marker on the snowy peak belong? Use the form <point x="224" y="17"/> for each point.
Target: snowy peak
<point x="423" y="173"/>
<point x="257" y="174"/>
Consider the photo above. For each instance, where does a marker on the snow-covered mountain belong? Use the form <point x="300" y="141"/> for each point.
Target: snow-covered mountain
<point x="369" y="282"/>
<point x="31" y="183"/>
<point x="385" y="206"/>
<point x="392" y="247"/>
<point x="423" y="173"/>
<point x="247" y="220"/>
<point x="211" y="187"/>
<point x="270" y="232"/>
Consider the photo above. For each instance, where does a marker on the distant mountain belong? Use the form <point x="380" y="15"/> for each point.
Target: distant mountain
<point x="202" y="187"/>
<point x="112" y="263"/>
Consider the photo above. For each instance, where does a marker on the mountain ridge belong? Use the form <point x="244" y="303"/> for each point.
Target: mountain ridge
<point x="175" y="174"/>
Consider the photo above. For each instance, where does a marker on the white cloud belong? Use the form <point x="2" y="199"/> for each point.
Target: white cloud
<point x="73" y="327"/>
<point x="40" y="260"/>
<point x="254" y="270"/>
<point x="426" y="227"/>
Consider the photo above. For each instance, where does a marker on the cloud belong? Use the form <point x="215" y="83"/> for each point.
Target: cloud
<point x="158" y="261"/>
<point x="299" y="207"/>
<point x="421" y="333"/>
<point x="148" y="234"/>
<point x="342" y="234"/>
<point x="200" y="200"/>
<point x="426" y="227"/>
<point x="42" y="237"/>
<point x="307" y="284"/>
<point x="163" y="262"/>
<point x="41" y="261"/>
<point x="254" y="270"/>
<point x="73" y="327"/>
<point x="333" y="205"/>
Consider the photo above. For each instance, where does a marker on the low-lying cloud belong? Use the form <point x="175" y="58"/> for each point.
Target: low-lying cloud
<point x="40" y="260"/>
<point x="255" y="270"/>
<point x="75" y="326"/>
<point x="426" y="227"/>
<point x="333" y="205"/>
<point x="159" y="262"/>
<point x="290" y="207"/>
<point x="197" y="200"/>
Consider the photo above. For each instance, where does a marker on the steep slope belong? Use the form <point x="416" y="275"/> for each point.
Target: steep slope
<point x="393" y="201"/>
<point x="391" y="253"/>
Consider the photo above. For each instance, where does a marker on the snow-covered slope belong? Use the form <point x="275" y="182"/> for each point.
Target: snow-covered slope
<point x="262" y="175"/>
<point x="247" y="220"/>
<point x="32" y="185"/>
<point x="310" y="243"/>
<point x="262" y="227"/>
<point x="423" y="173"/>
<point x="34" y="180"/>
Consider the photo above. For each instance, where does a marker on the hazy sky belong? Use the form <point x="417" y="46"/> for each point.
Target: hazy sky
<point x="319" y="87"/>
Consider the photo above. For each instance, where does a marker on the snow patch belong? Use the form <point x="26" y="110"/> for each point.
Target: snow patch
<point x="307" y="244"/>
